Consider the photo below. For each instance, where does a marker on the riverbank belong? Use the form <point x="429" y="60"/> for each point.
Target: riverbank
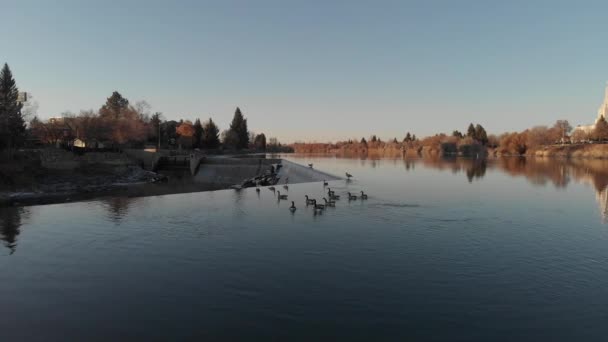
<point x="436" y="148"/>
<point x="589" y="151"/>
<point x="26" y="183"/>
<point x="56" y="176"/>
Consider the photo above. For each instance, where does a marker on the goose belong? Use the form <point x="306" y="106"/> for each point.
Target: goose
<point x="318" y="206"/>
<point x="279" y="196"/>
<point x="257" y="190"/>
<point x="330" y="192"/>
<point x="271" y="188"/>
<point x="363" y="195"/>
<point x="329" y="203"/>
<point x="348" y="175"/>
<point x="334" y="197"/>
<point x="310" y="166"/>
<point x="286" y="187"/>
<point x="293" y="207"/>
<point x="309" y="200"/>
<point x="351" y="196"/>
<point x="325" y="183"/>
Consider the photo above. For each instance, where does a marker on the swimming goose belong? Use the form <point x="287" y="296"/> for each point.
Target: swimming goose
<point x="318" y="206"/>
<point x="325" y="183"/>
<point x="293" y="207"/>
<point x="351" y="196"/>
<point x="363" y="195"/>
<point x="279" y="196"/>
<point x="329" y="203"/>
<point x="330" y="192"/>
<point x="309" y="200"/>
<point x="348" y="175"/>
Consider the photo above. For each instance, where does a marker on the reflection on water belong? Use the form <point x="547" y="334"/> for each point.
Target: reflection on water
<point x="538" y="171"/>
<point x="118" y="207"/>
<point x="11" y="220"/>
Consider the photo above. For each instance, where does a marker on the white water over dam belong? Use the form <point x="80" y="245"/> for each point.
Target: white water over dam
<point x="302" y="174"/>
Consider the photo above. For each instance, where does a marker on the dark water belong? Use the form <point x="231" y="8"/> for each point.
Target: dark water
<point x="503" y="250"/>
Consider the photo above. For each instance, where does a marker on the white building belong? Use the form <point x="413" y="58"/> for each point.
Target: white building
<point x="602" y="112"/>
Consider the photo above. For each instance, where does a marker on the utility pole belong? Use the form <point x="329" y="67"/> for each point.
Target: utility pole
<point x="158" y="149"/>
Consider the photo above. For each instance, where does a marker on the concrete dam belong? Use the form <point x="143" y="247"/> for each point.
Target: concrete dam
<point x="225" y="172"/>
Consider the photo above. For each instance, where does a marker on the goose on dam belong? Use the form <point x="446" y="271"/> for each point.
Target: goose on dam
<point x="348" y="175"/>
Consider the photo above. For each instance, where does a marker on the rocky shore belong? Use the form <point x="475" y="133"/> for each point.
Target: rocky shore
<point x="26" y="185"/>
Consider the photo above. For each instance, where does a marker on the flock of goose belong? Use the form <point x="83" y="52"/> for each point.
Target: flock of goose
<point x="329" y="201"/>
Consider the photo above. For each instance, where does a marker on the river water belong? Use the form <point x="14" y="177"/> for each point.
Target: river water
<point x="477" y="250"/>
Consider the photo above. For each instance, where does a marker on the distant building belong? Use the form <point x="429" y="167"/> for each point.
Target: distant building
<point x="79" y="143"/>
<point x="91" y="145"/>
<point x="56" y="120"/>
<point x="602" y="112"/>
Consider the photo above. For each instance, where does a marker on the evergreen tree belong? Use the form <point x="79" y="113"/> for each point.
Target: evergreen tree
<point x="413" y="137"/>
<point x="239" y="129"/>
<point x="211" y="135"/>
<point x="457" y="134"/>
<point x="395" y="140"/>
<point x="363" y="141"/>
<point x="480" y="134"/>
<point x="374" y="138"/>
<point x="114" y="106"/>
<point x="12" y="124"/>
<point x="260" y="142"/>
<point x="198" y="134"/>
<point x="471" y="131"/>
<point x="408" y="137"/>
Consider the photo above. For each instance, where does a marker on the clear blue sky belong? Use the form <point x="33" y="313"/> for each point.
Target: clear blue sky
<point x="317" y="70"/>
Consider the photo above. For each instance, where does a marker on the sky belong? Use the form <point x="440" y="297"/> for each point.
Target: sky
<point x="317" y="70"/>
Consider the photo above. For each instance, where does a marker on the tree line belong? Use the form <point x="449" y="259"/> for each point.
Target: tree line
<point x="119" y="123"/>
<point x="475" y="141"/>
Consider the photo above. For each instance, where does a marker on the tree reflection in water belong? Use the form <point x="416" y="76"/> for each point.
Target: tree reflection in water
<point x="11" y="219"/>
<point x="118" y="207"/>
<point x="538" y="171"/>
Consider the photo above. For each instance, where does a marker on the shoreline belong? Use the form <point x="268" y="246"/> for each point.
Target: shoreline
<point x="27" y="184"/>
<point x="123" y="190"/>
<point x="565" y="151"/>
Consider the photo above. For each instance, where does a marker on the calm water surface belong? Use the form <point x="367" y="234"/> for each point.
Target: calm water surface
<point x="442" y="250"/>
